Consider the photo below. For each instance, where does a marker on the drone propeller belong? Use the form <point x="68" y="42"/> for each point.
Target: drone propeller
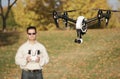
<point x="110" y="10"/>
<point x="99" y="16"/>
<point x="68" y="11"/>
<point x="106" y="15"/>
<point x="107" y="10"/>
<point x="114" y="10"/>
<point x="72" y="10"/>
<point x="56" y="17"/>
<point x="65" y="16"/>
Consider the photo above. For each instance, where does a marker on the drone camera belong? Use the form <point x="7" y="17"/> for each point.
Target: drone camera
<point x="78" y="41"/>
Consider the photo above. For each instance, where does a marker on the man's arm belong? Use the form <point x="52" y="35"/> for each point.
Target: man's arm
<point x="44" y="58"/>
<point x="20" y="59"/>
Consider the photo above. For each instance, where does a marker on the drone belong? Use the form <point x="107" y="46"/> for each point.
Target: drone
<point x="82" y="22"/>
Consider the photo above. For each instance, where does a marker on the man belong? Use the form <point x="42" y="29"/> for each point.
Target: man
<point x="31" y="56"/>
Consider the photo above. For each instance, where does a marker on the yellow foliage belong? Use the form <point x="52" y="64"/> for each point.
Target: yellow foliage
<point x="37" y="12"/>
<point x="24" y="17"/>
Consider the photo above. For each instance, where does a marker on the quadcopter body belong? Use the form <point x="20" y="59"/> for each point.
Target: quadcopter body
<point x="81" y="28"/>
<point x="81" y="22"/>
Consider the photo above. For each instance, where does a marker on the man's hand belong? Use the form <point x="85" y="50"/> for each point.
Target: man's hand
<point x="28" y="58"/>
<point x="37" y="59"/>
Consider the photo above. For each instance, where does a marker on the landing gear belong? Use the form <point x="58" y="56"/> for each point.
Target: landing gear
<point x="78" y="41"/>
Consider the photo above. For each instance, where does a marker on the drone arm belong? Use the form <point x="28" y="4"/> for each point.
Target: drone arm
<point x="91" y="20"/>
<point x="69" y="19"/>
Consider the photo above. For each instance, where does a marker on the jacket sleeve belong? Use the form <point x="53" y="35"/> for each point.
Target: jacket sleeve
<point x="44" y="58"/>
<point x="20" y="59"/>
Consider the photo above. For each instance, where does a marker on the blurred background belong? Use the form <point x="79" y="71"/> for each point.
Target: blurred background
<point x="98" y="57"/>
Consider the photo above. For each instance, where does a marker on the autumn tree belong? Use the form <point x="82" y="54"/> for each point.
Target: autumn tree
<point x="39" y="12"/>
<point x="4" y="15"/>
<point x="85" y="7"/>
<point x="34" y="12"/>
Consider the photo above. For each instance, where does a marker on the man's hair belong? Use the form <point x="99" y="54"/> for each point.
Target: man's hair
<point x="31" y="27"/>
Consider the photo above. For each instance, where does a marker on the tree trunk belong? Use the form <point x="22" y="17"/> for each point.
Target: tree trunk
<point x="5" y="15"/>
<point x="4" y="25"/>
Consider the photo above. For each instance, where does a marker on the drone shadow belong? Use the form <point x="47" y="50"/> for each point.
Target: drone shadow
<point x="8" y="38"/>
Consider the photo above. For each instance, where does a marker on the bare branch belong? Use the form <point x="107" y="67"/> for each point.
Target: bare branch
<point x="13" y="3"/>
<point x="9" y="7"/>
<point x="5" y="15"/>
<point x="1" y="9"/>
<point x="8" y="2"/>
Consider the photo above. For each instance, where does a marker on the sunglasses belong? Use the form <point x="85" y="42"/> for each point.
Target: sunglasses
<point x="31" y="33"/>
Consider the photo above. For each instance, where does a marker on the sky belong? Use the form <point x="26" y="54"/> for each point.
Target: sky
<point x="113" y="3"/>
<point x="4" y="2"/>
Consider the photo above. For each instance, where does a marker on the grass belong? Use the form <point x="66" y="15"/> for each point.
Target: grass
<point x="98" y="57"/>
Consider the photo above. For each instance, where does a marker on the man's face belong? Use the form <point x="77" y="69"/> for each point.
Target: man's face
<point x="31" y="34"/>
